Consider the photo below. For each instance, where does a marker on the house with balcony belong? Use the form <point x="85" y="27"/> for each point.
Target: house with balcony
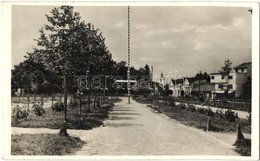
<point x="233" y="83"/>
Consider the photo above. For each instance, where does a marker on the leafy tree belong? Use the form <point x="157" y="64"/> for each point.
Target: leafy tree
<point x="69" y="47"/>
<point x="30" y="74"/>
<point x="203" y="76"/>
<point x="226" y="69"/>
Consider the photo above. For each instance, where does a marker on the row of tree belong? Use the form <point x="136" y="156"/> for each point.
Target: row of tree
<point x="67" y="48"/>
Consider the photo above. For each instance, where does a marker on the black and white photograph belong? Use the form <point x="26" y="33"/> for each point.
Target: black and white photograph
<point x="133" y="80"/>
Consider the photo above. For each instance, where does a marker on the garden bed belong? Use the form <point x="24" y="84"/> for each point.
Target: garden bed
<point x="192" y="117"/>
<point x="54" y="119"/>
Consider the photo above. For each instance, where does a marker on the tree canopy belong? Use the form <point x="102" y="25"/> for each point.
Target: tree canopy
<point x="69" y="46"/>
<point x="226" y="69"/>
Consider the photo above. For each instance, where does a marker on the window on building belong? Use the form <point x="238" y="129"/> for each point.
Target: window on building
<point x="222" y="77"/>
<point x="230" y="77"/>
<point x="230" y="86"/>
<point x="220" y="86"/>
<point x="212" y="77"/>
<point x="242" y="70"/>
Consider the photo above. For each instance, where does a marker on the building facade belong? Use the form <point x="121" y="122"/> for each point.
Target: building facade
<point x="232" y="83"/>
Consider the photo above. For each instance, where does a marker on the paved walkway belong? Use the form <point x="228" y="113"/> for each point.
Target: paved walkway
<point x="132" y="129"/>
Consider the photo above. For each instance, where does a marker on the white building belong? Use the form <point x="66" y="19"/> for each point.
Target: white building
<point x="232" y="83"/>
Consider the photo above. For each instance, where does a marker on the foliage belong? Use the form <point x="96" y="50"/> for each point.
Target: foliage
<point x="38" y="109"/>
<point x="191" y="108"/>
<point x="202" y="76"/>
<point x="58" y="106"/>
<point x="230" y="115"/>
<point x="226" y="69"/>
<point x="19" y="113"/>
<point x="183" y="106"/>
<point x="73" y="103"/>
<point x="209" y="111"/>
<point x="172" y="102"/>
<point x="54" y="120"/>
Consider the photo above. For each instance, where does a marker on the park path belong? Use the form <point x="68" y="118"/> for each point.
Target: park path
<point x="132" y="129"/>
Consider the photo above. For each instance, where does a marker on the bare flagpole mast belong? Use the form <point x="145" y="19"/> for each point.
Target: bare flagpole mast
<point x="128" y="70"/>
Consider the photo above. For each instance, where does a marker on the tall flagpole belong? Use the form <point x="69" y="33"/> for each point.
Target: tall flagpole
<point x="128" y="70"/>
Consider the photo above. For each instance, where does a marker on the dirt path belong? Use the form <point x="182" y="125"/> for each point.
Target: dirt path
<point x="132" y="129"/>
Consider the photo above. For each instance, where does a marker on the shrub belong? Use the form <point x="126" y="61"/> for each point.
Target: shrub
<point x="172" y="103"/>
<point x="38" y="109"/>
<point x="230" y="116"/>
<point x="58" y="106"/>
<point x="201" y="110"/>
<point x="191" y="108"/>
<point x="209" y="112"/>
<point x="73" y="103"/>
<point x="19" y="113"/>
<point x="220" y="114"/>
<point x="183" y="106"/>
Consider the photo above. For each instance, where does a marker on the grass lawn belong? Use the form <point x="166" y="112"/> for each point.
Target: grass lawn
<point x="199" y="120"/>
<point x="44" y="144"/>
<point x="54" y="120"/>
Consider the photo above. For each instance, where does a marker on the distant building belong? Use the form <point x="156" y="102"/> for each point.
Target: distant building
<point x="232" y="83"/>
<point x="245" y="68"/>
<point x="162" y="79"/>
<point x="158" y="86"/>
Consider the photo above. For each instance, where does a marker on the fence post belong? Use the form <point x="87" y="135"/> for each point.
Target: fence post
<point x="209" y="126"/>
<point x="240" y="135"/>
<point x="52" y="101"/>
<point x="80" y="104"/>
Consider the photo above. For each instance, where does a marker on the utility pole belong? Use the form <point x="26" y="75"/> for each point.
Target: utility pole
<point x="128" y="69"/>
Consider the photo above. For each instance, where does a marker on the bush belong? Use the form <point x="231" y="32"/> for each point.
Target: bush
<point x="191" y="108"/>
<point x="19" y="113"/>
<point x="58" y="106"/>
<point x="220" y="114"/>
<point x="230" y="116"/>
<point x="201" y="110"/>
<point x="209" y="112"/>
<point x="38" y="109"/>
<point x="172" y="103"/>
<point x="73" y="103"/>
<point x="183" y="106"/>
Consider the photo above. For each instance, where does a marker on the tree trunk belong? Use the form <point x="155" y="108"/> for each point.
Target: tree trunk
<point x="80" y="104"/>
<point x="65" y="97"/>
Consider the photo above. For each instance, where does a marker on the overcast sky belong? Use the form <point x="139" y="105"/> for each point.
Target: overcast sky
<point x="183" y="39"/>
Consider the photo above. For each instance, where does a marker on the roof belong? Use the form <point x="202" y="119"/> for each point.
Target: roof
<point x="243" y="65"/>
<point x="215" y="73"/>
<point x="178" y="81"/>
<point x="204" y="88"/>
<point x="192" y="79"/>
<point x="202" y="81"/>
